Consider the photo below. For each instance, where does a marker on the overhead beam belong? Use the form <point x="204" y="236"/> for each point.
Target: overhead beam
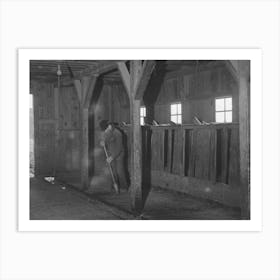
<point x="84" y="89"/>
<point x="101" y="69"/>
<point x="89" y="72"/>
<point x="145" y="75"/>
<point x="232" y="67"/>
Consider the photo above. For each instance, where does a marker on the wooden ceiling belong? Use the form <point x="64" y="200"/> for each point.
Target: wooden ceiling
<point x="46" y="70"/>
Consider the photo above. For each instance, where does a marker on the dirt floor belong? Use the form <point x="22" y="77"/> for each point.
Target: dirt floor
<point x="58" y="202"/>
<point x="61" y="202"/>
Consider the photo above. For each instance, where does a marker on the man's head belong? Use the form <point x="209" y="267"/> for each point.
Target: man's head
<point x="111" y="126"/>
<point x="103" y="125"/>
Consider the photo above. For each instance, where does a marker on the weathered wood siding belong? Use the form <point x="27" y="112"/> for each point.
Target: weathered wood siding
<point x="197" y="93"/>
<point x="69" y="126"/>
<point x="200" y="160"/>
<point x="57" y="130"/>
<point x="202" y="156"/>
<point x="204" y="152"/>
<point x="44" y="129"/>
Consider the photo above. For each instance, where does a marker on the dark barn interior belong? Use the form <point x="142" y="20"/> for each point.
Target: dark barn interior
<point x="185" y="126"/>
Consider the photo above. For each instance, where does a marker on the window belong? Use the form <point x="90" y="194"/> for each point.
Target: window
<point x="176" y="113"/>
<point x="223" y="110"/>
<point x="142" y="115"/>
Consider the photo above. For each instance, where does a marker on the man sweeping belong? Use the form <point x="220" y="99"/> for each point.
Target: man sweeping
<point x="112" y="143"/>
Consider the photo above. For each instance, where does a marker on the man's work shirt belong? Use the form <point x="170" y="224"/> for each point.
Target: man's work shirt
<point x="114" y="143"/>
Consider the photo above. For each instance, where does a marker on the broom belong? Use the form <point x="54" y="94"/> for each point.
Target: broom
<point x="111" y="171"/>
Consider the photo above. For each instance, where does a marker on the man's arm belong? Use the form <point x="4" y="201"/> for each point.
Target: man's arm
<point x="104" y="138"/>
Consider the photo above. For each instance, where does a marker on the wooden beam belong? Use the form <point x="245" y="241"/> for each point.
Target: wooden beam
<point x="244" y="135"/>
<point x="131" y="81"/>
<point x="88" y="85"/>
<point x="78" y="87"/>
<point x="146" y="72"/>
<point x="89" y="92"/>
<point x="125" y="77"/>
<point x="85" y="82"/>
<point x="102" y="68"/>
<point x="234" y="64"/>
<point x="232" y="67"/>
<point x="136" y="136"/>
<point x="84" y="149"/>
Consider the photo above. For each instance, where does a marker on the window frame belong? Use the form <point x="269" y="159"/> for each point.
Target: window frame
<point x="145" y="114"/>
<point x="224" y="111"/>
<point x="177" y="114"/>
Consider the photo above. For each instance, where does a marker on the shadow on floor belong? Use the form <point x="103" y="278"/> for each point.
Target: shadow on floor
<point x="163" y="204"/>
<point x="63" y="202"/>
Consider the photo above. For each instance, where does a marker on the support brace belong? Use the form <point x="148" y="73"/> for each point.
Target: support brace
<point x="135" y="84"/>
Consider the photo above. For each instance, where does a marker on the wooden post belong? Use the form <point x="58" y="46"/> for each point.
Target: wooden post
<point x="110" y="104"/>
<point x="85" y="90"/>
<point x="84" y="149"/>
<point x="88" y="94"/>
<point x="244" y="135"/>
<point x="78" y="87"/>
<point x="136" y="136"/>
<point x="135" y="84"/>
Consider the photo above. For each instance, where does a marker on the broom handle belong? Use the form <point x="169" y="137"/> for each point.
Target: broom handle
<point x="110" y="167"/>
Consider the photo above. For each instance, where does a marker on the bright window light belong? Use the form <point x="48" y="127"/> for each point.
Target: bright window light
<point x="223" y="110"/>
<point x="142" y="115"/>
<point x="176" y="113"/>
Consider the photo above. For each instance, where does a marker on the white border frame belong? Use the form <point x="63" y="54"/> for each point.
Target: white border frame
<point x="254" y="55"/>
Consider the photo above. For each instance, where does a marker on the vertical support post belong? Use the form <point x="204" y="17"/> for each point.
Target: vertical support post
<point x="84" y="144"/>
<point x="110" y="103"/>
<point x="87" y="88"/>
<point x="135" y="84"/>
<point x="244" y="135"/>
<point x="136" y="136"/>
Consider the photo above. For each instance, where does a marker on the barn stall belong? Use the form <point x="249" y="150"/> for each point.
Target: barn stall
<point x="197" y="156"/>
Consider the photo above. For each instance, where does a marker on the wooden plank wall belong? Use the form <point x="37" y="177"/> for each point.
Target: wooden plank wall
<point x="69" y="126"/>
<point x="196" y="92"/>
<point x="56" y="130"/>
<point x="204" y="152"/>
<point x="44" y="128"/>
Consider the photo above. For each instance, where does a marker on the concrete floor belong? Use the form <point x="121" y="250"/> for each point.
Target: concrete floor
<point x="61" y="202"/>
